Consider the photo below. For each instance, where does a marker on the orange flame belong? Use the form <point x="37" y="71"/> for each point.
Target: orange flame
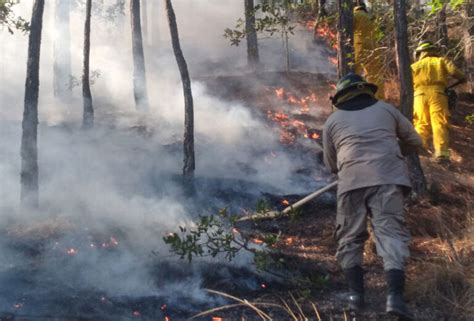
<point x="285" y="202"/>
<point x="72" y="251"/>
<point x="333" y="60"/>
<point x="217" y="319"/>
<point x="257" y="241"/>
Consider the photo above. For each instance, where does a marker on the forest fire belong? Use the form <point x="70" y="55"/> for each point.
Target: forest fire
<point x="323" y="30"/>
<point x="291" y="128"/>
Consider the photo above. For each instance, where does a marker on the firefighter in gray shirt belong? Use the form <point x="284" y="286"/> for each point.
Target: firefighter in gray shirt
<point x="362" y="140"/>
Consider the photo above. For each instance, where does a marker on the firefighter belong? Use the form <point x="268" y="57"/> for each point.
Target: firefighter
<point x="431" y="112"/>
<point x="367" y="61"/>
<point x="361" y="142"/>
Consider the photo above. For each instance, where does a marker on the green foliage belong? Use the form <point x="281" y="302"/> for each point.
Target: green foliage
<point x="437" y="5"/>
<point x="9" y="20"/>
<point x="270" y="18"/>
<point x="469" y="119"/>
<point x="209" y="237"/>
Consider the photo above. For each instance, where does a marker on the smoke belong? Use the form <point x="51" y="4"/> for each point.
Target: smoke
<point x="109" y="195"/>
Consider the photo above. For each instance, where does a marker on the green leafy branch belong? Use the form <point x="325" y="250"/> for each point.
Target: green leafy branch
<point x="269" y="19"/>
<point x="216" y="234"/>
<point x="9" y="20"/>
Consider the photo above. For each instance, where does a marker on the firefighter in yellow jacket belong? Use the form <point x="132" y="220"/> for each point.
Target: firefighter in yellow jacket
<point x="367" y="60"/>
<point x="431" y="112"/>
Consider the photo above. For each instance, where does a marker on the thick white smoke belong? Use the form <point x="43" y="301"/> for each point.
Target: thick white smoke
<point x="122" y="179"/>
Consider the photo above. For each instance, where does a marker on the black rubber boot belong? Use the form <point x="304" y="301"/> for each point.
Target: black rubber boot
<point x="395" y="303"/>
<point x="355" y="281"/>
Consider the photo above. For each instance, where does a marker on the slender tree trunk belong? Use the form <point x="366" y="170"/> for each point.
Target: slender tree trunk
<point x="88" y="113"/>
<point x="253" y="57"/>
<point x="322" y="9"/>
<point x="468" y="18"/>
<point x="443" y="28"/>
<point x="139" y="73"/>
<point x="145" y="22"/>
<point x="345" y="37"/>
<point x="29" y="140"/>
<point x="62" y="52"/>
<point x="189" y="161"/>
<point x="406" y="89"/>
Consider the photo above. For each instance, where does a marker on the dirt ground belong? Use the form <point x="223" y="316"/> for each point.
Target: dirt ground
<point x="440" y="271"/>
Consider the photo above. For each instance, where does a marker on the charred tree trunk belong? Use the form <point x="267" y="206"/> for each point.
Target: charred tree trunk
<point x="322" y="9"/>
<point x="189" y="161"/>
<point x="62" y="52"/>
<point x="88" y="113"/>
<point x="443" y="28"/>
<point x="29" y="140"/>
<point x="406" y="88"/>
<point x="468" y="18"/>
<point x="139" y="73"/>
<point x="253" y="57"/>
<point x="345" y="37"/>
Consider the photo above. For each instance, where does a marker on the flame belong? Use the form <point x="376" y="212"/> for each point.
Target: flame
<point x="280" y="92"/>
<point x="291" y="129"/>
<point x="217" y="319"/>
<point x="72" y="251"/>
<point x="325" y="32"/>
<point x="263" y="285"/>
<point x="314" y="136"/>
<point x="167" y="318"/>
<point x="111" y="243"/>
<point x="257" y="241"/>
<point x="163" y="307"/>
<point x="333" y="60"/>
<point x="289" y="241"/>
<point x="285" y="202"/>
<point x="18" y="305"/>
<point x="136" y="313"/>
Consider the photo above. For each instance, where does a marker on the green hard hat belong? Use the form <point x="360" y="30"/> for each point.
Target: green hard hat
<point x="425" y="46"/>
<point x="349" y="83"/>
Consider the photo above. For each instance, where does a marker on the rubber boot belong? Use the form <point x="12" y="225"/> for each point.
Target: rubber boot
<point x="395" y="303"/>
<point x="355" y="281"/>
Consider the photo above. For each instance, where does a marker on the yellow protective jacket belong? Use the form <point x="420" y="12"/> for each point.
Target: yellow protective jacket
<point x="434" y="72"/>
<point x="367" y="62"/>
<point x="364" y="35"/>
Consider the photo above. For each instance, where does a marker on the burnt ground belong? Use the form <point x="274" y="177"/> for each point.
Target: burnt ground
<point x="440" y="271"/>
<point x="305" y="276"/>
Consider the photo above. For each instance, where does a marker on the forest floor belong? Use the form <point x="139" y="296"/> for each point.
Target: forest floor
<point x="440" y="274"/>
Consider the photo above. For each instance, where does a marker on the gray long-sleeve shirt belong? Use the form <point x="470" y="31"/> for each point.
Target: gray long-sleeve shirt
<point x="362" y="146"/>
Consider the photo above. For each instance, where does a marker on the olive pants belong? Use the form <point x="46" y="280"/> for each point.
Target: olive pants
<point x="383" y="204"/>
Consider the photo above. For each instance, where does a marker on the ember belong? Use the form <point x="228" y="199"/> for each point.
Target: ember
<point x="136" y="313"/>
<point x="72" y="251"/>
<point x="263" y="285"/>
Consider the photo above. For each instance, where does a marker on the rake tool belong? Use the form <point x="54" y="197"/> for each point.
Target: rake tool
<point x="287" y="210"/>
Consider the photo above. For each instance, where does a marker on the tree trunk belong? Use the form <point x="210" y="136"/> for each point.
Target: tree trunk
<point x="406" y="89"/>
<point x="468" y="18"/>
<point x="253" y="57"/>
<point x="189" y="161"/>
<point x="29" y="140"/>
<point x="345" y="37"/>
<point x="146" y="34"/>
<point x="443" y="28"/>
<point x="62" y="52"/>
<point x="88" y="113"/>
<point x="139" y="75"/>
<point x="322" y="9"/>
